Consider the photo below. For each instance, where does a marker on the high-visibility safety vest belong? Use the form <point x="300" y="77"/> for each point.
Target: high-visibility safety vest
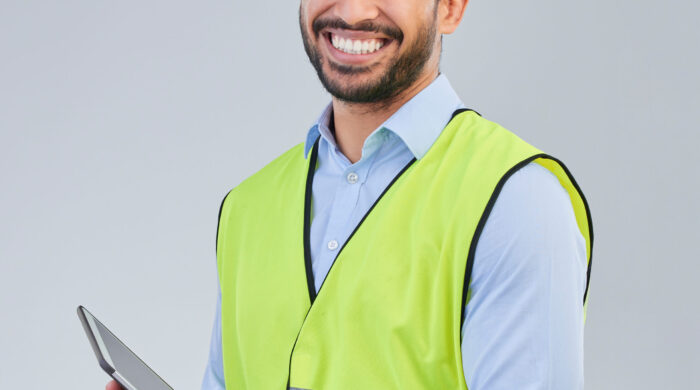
<point x="390" y="311"/>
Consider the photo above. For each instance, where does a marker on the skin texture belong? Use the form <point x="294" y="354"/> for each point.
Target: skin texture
<point x="369" y="92"/>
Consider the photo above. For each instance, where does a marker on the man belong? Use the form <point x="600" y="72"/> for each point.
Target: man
<point x="383" y="206"/>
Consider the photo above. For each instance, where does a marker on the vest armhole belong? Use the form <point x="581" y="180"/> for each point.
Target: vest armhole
<point x="589" y="220"/>
<point x="218" y="223"/>
<point x="487" y="212"/>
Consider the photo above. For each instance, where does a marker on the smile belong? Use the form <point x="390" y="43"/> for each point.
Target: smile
<point x="356" y="46"/>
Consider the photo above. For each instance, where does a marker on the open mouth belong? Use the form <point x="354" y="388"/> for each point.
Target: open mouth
<point x="356" y="46"/>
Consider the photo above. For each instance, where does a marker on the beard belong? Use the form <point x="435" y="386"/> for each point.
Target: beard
<point x="400" y="73"/>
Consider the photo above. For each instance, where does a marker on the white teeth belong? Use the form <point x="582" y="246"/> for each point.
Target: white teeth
<point x="356" y="46"/>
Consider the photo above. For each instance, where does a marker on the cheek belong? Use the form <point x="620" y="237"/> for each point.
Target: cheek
<point x="307" y="14"/>
<point x="409" y="15"/>
<point x="312" y="9"/>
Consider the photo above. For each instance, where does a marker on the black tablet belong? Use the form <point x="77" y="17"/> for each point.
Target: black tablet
<point x="118" y="360"/>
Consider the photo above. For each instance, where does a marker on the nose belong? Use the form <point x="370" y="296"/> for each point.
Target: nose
<point x="355" y="11"/>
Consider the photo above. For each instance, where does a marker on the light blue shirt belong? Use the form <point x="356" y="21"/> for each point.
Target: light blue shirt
<point x="524" y="320"/>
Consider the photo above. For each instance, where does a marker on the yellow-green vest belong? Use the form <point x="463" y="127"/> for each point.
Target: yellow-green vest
<point x="390" y="311"/>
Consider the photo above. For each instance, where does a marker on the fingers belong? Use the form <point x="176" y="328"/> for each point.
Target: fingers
<point x="113" y="385"/>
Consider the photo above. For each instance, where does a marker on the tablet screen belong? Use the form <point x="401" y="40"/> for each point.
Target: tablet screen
<point x="128" y="368"/>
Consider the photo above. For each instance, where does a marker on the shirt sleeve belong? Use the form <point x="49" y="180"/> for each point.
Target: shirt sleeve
<point x="524" y="321"/>
<point x="214" y="373"/>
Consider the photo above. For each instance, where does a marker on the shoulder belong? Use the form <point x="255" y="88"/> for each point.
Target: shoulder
<point x="285" y="167"/>
<point x="532" y="196"/>
<point x="531" y="232"/>
<point x="290" y="160"/>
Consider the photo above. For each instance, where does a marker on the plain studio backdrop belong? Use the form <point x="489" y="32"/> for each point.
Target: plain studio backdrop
<point x="123" y="125"/>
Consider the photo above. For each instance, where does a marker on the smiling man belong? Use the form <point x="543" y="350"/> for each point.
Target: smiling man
<point x="408" y="243"/>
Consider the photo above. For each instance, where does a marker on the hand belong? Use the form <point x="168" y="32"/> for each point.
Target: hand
<point x="113" y="385"/>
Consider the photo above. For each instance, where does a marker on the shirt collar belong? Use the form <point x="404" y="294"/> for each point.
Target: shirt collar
<point x="320" y="128"/>
<point x="418" y="123"/>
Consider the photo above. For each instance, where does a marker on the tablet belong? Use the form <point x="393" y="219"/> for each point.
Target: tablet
<point x="118" y="360"/>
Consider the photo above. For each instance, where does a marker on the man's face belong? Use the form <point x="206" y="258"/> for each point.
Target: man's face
<point x="369" y="51"/>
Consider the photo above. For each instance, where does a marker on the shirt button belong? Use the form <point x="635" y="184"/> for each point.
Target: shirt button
<point x="352" y="177"/>
<point x="332" y="245"/>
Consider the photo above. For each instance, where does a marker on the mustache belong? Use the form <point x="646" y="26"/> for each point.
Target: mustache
<point x="367" y="25"/>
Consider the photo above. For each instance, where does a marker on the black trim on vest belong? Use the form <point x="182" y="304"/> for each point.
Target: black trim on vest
<point x="218" y="224"/>
<point x="590" y="222"/>
<point x="487" y="211"/>
<point x="307" y="245"/>
<point x="310" y="282"/>
<point x="461" y="110"/>
<point x="365" y="216"/>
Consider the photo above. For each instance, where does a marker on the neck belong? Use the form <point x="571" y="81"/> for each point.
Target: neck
<point x="354" y="122"/>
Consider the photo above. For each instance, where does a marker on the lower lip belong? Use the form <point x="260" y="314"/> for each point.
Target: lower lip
<point x="354" y="59"/>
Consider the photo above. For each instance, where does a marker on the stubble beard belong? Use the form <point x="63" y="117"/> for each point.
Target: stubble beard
<point x="400" y="74"/>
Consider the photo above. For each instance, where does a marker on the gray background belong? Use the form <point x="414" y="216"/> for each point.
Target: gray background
<point x="123" y="124"/>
